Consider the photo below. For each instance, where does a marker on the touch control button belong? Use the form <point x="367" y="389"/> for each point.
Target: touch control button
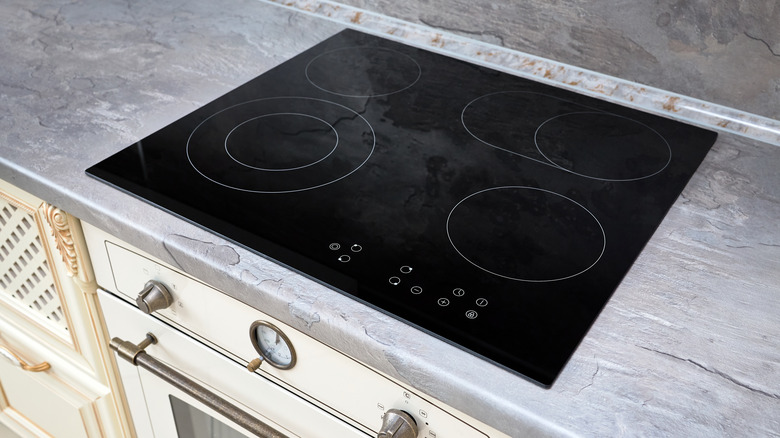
<point x="417" y="290"/>
<point x="406" y="269"/>
<point x="334" y="246"/>
<point x="481" y="302"/>
<point x="344" y="258"/>
<point x="472" y="314"/>
<point x="395" y="281"/>
<point x="444" y="302"/>
<point x="458" y="292"/>
<point x="356" y="248"/>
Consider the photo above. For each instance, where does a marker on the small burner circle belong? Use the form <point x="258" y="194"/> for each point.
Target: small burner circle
<point x="602" y="146"/>
<point x="363" y="71"/>
<point x="247" y="141"/>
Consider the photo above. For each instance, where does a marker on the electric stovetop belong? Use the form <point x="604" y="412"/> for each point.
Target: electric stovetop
<point x="496" y="213"/>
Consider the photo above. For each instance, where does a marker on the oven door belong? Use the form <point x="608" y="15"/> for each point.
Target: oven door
<point x="180" y="387"/>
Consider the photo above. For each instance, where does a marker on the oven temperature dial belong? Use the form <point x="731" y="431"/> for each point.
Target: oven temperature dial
<point x="154" y="296"/>
<point x="272" y="345"/>
<point x="397" y="424"/>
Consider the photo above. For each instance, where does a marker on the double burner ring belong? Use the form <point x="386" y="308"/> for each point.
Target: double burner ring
<point x="569" y="136"/>
<point x="280" y="145"/>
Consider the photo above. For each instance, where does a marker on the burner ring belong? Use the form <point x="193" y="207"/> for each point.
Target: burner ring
<point x="653" y="146"/>
<point x="282" y="169"/>
<point x="568" y="136"/>
<point x="524" y="234"/>
<point x="210" y="156"/>
<point x="384" y="71"/>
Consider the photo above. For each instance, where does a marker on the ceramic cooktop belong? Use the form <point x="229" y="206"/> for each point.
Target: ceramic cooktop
<point x="493" y="212"/>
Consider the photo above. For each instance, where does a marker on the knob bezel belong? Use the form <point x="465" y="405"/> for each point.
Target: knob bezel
<point x="154" y="296"/>
<point x="398" y="424"/>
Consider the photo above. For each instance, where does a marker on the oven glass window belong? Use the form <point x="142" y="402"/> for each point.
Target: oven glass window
<point x="191" y="422"/>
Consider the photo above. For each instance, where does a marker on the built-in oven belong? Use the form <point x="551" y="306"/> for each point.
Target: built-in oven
<point x="196" y="363"/>
<point x="202" y="393"/>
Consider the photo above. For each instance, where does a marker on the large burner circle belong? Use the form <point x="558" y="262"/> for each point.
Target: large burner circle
<point x="280" y="145"/>
<point x="602" y="146"/>
<point x="363" y="71"/>
<point x="526" y="234"/>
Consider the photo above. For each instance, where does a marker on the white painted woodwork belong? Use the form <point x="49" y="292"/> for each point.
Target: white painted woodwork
<point x="49" y="313"/>
<point x="26" y="279"/>
<point x="47" y="403"/>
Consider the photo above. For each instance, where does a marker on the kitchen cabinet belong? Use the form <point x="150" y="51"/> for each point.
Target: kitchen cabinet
<point x="59" y="379"/>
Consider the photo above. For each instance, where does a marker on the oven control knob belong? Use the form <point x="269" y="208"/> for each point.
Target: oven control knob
<point x="155" y="296"/>
<point x="397" y="424"/>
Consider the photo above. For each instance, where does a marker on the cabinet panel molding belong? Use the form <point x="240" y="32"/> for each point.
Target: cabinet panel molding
<point x="48" y="299"/>
<point x="29" y="284"/>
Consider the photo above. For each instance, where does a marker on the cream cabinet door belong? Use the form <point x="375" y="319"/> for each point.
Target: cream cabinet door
<point x="35" y="399"/>
<point x="49" y="314"/>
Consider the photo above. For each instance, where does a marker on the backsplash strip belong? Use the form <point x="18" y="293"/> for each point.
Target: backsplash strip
<point x="630" y="94"/>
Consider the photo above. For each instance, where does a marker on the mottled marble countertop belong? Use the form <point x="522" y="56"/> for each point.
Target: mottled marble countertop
<point x="687" y="346"/>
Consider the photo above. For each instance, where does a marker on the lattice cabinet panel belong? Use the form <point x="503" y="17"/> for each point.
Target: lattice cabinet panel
<point x="50" y="317"/>
<point x="25" y="275"/>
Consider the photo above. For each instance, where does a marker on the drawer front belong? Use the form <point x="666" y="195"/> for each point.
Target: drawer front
<point x="42" y="393"/>
<point x="41" y="405"/>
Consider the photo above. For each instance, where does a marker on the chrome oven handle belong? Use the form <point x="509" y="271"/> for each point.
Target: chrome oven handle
<point x="136" y="355"/>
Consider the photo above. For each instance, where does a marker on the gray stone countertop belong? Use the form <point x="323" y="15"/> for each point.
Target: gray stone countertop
<point x="687" y="346"/>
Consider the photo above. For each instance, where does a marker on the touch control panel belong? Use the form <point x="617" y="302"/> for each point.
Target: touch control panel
<point x="407" y="280"/>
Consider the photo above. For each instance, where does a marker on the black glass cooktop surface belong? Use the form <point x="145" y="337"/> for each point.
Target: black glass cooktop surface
<point x="494" y="212"/>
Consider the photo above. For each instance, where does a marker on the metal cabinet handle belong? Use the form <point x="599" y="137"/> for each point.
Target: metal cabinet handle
<point x="13" y="357"/>
<point x="136" y="355"/>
